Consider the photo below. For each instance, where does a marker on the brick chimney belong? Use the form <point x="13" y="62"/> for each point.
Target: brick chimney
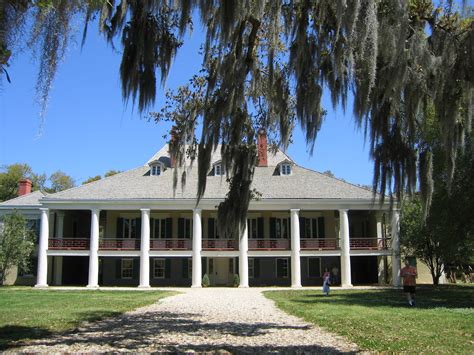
<point x="173" y="134"/>
<point x="24" y="187"/>
<point x="262" y="148"/>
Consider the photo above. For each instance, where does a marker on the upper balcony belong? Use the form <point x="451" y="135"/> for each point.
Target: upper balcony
<point x="320" y="244"/>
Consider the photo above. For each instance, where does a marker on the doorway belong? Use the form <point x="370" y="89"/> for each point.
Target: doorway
<point x="221" y="271"/>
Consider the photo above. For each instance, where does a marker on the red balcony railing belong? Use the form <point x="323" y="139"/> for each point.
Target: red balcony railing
<point x="269" y="244"/>
<point x="319" y="244"/>
<point x="170" y="244"/>
<point x="119" y="244"/>
<point x="219" y="244"/>
<point x="368" y="243"/>
<point x="68" y="243"/>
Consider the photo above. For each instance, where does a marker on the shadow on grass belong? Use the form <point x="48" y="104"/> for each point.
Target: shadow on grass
<point x="13" y="333"/>
<point x="426" y="296"/>
<point x="152" y="330"/>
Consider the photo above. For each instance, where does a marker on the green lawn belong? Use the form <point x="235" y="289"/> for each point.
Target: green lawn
<point x="380" y="320"/>
<point x="27" y="313"/>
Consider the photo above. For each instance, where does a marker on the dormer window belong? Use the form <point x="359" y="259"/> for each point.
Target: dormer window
<point x="218" y="170"/>
<point x="285" y="169"/>
<point x="156" y="168"/>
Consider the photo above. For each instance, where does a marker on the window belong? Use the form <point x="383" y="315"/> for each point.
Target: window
<point x="185" y="228"/>
<point x="129" y="228"/>
<point x="282" y="268"/>
<point x="314" y="267"/>
<point x="279" y="228"/>
<point x="251" y="267"/>
<point x="155" y="169"/>
<point x="218" y="170"/>
<point x="312" y="227"/>
<point x="159" y="266"/>
<point x="255" y="228"/>
<point x="159" y="228"/>
<point x="127" y="268"/>
<point x="285" y="169"/>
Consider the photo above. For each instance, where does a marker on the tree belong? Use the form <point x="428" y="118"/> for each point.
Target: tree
<point x="417" y="239"/>
<point x="91" y="179"/>
<point x="10" y="175"/>
<point x="60" y="181"/>
<point x="111" y="173"/>
<point x="446" y="235"/>
<point x="16" y="244"/>
<point x="266" y="64"/>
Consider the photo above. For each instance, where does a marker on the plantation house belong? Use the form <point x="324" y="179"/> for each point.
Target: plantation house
<point x="132" y="229"/>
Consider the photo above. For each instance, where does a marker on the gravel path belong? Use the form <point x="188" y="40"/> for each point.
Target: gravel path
<point x="217" y="320"/>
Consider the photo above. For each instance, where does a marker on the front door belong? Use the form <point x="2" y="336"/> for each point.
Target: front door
<point x="220" y="274"/>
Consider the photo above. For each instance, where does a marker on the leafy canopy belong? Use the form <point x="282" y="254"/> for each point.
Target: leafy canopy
<point x="266" y="64"/>
<point x="16" y="244"/>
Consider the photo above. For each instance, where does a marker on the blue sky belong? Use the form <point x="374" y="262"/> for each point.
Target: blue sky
<point x="88" y="130"/>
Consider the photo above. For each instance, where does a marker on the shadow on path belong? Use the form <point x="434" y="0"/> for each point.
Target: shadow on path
<point x="147" y="330"/>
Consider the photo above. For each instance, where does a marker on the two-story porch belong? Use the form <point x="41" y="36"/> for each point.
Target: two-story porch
<point x="158" y="247"/>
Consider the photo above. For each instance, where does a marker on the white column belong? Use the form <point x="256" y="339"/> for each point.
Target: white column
<point x="94" y="250"/>
<point x="295" y="249"/>
<point x="145" y="250"/>
<point x="197" y="246"/>
<point x="243" y="258"/>
<point x="42" y="250"/>
<point x="60" y="225"/>
<point x="395" y="226"/>
<point x="345" y="249"/>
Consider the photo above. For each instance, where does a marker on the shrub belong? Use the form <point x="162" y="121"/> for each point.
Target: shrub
<point x="236" y="280"/>
<point x="205" y="281"/>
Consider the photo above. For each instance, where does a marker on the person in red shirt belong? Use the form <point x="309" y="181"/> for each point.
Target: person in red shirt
<point x="409" y="274"/>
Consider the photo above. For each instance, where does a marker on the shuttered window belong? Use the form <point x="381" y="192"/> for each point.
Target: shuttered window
<point x="312" y="227"/>
<point x="255" y="228"/>
<point x="126" y="268"/>
<point x="161" y="228"/>
<point x="282" y="268"/>
<point x="159" y="267"/>
<point x="185" y="228"/>
<point x="280" y="228"/>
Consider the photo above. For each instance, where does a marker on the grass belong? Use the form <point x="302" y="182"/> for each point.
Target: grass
<point x="380" y="320"/>
<point x="27" y="313"/>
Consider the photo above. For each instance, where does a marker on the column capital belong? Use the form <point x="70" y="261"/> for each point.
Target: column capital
<point x="95" y="210"/>
<point x="294" y="210"/>
<point x="44" y="209"/>
<point x="60" y="213"/>
<point x="343" y="210"/>
<point x="145" y="210"/>
<point x="197" y="210"/>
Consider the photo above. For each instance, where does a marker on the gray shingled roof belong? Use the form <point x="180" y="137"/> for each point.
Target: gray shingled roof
<point x="29" y="200"/>
<point x="138" y="184"/>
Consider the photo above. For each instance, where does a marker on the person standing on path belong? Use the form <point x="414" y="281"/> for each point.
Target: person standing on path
<point x="326" y="282"/>
<point x="409" y="274"/>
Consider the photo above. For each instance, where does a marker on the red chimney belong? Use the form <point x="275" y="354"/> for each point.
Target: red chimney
<point x="262" y="148"/>
<point x="173" y="140"/>
<point x="24" y="187"/>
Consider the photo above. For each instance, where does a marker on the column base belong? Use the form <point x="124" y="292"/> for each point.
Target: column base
<point x="243" y="286"/>
<point x="41" y="286"/>
<point x="347" y="285"/>
<point x="296" y="286"/>
<point x="196" y="286"/>
<point x="92" y="287"/>
<point x="144" y="286"/>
